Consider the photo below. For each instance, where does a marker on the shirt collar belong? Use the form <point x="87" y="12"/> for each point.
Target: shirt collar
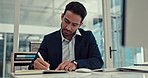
<point x="77" y="33"/>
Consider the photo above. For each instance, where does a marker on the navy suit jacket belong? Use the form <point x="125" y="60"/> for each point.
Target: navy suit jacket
<point x="87" y="53"/>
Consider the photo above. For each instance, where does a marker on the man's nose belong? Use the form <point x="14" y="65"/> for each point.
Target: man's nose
<point x="68" y="27"/>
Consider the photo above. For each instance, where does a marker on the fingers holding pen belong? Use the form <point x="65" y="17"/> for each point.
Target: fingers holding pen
<point x="43" y="62"/>
<point x="40" y="64"/>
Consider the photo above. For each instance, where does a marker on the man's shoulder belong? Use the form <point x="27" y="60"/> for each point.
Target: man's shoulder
<point x="53" y="34"/>
<point x="83" y="32"/>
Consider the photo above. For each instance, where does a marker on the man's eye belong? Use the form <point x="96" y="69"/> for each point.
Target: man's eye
<point x="75" y="25"/>
<point x="66" y="21"/>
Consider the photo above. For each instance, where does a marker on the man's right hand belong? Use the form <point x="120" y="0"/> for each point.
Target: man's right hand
<point x="40" y="64"/>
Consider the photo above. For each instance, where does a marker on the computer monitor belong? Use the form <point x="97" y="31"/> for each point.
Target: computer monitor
<point x="135" y="23"/>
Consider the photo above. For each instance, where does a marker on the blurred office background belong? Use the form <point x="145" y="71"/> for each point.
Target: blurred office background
<point x="23" y="21"/>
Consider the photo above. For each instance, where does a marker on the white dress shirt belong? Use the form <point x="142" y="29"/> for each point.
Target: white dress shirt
<point x="68" y="47"/>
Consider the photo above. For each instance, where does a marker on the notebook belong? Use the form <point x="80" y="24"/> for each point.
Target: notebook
<point x="141" y="64"/>
<point x="134" y="68"/>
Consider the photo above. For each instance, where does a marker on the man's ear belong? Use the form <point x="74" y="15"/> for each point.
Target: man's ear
<point x="81" y="24"/>
<point x="62" y="15"/>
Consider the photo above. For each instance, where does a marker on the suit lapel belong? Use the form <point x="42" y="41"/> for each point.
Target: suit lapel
<point x="77" y="46"/>
<point x="58" y="47"/>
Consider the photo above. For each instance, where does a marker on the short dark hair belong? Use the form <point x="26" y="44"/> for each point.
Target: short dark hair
<point x="77" y="8"/>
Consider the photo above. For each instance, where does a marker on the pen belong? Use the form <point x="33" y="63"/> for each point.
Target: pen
<point x="41" y="57"/>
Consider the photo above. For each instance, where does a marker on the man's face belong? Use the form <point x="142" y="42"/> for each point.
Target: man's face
<point x="70" y="23"/>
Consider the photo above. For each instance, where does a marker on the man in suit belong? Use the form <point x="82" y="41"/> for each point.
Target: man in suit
<point x="70" y="47"/>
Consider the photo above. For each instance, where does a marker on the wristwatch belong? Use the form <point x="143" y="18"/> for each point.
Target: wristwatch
<point x="73" y="61"/>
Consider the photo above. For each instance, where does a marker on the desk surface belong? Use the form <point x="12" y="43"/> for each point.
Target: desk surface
<point x="111" y="74"/>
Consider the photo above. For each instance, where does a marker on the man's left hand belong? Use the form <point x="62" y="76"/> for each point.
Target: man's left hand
<point x="67" y="66"/>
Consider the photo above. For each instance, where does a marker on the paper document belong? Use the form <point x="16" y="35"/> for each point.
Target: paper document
<point x="30" y="72"/>
<point x="25" y="72"/>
